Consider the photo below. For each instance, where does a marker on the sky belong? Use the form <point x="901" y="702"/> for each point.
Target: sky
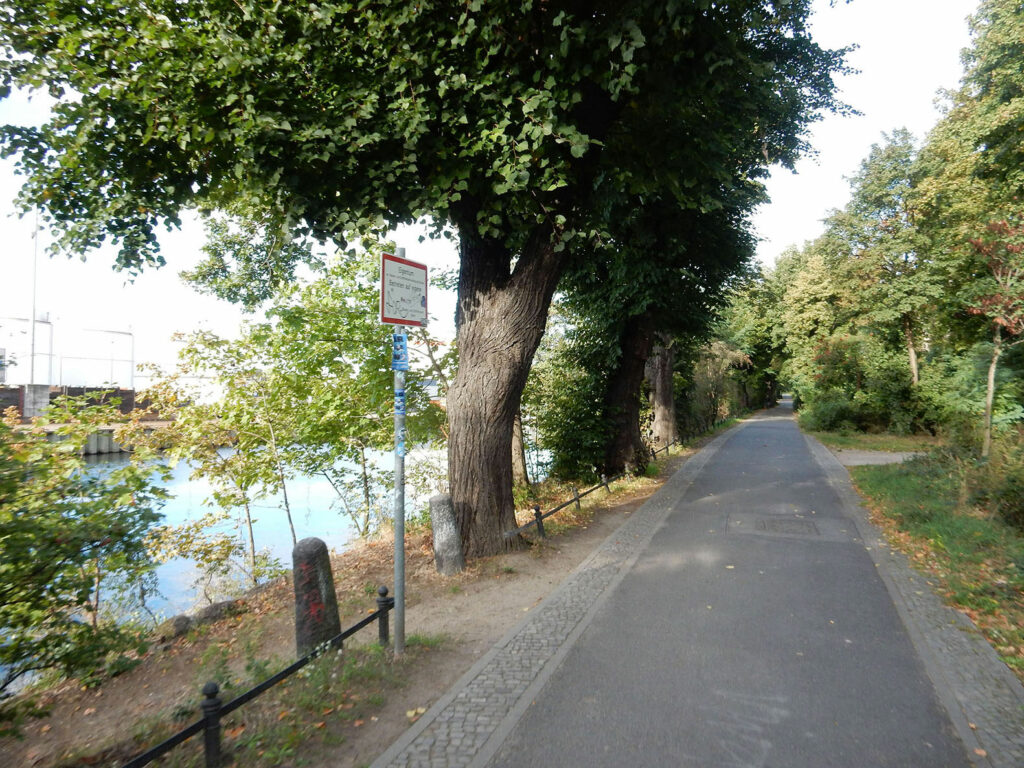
<point x="907" y="51"/>
<point x="102" y="323"/>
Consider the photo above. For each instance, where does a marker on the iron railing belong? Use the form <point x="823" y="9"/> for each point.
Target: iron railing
<point x="539" y="517"/>
<point x="213" y="709"/>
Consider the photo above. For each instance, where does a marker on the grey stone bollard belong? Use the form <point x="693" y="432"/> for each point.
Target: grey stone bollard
<point x="316" y="606"/>
<point x="448" y="557"/>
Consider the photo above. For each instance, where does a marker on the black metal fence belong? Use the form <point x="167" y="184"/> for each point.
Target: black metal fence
<point x="665" y="448"/>
<point x="539" y="517"/>
<point x="213" y="709"/>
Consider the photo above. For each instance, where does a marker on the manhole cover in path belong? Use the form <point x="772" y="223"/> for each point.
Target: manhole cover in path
<point x="788" y="526"/>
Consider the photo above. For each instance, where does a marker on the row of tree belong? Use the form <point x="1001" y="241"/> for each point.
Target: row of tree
<point x="614" y="146"/>
<point x="907" y="312"/>
<point x="627" y="345"/>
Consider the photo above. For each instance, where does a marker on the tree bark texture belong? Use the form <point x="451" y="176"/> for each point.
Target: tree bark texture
<point x="908" y="334"/>
<point x="990" y="391"/>
<point x="520" y="474"/>
<point x="659" y="382"/>
<point x="626" y="451"/>
<point x="500" y="319"/>
<point x="252" y="545"/>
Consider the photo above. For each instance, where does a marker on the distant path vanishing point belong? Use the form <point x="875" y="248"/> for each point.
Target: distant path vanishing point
<point x="747" y="615"/>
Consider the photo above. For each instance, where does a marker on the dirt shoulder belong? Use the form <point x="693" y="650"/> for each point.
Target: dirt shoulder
<point x="451" y="622"/>
<point x="854" y="457"/>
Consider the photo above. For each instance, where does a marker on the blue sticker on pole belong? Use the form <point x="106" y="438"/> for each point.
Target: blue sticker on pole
<point x="400" y="402"/>
<point x="400" y="447"/>
<point x="400" y="352"/>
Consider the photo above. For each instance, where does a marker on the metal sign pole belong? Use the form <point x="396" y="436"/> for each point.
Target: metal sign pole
<point x="403" y="301"/>
<point x="35" y="270"/>
<point x="400" y="351"/>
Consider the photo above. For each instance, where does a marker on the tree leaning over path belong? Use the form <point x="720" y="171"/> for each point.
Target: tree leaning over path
<point x="518" y="123"/>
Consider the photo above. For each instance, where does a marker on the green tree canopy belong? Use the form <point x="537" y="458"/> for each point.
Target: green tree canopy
<point x="343" y="116"/>
<point x="879" y="252"/>
<point x="971" y="168"/>
<point x="523" y="124"/>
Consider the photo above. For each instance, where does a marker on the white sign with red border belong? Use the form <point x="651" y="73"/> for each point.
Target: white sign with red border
<point x="403" y="291"/>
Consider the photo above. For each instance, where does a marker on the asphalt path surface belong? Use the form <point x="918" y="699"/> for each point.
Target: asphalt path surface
<point x="753" y="631"/>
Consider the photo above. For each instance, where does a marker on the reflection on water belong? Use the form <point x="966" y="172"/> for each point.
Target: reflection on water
<point x="311" y="501"/>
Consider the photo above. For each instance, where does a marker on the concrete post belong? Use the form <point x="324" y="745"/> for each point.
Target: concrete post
<point x="447" y="543"/>
<point x="316" y="606"/>
<point x="37" y="399"/>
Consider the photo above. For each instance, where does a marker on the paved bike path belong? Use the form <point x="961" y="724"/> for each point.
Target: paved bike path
<point x="740" y="619"/>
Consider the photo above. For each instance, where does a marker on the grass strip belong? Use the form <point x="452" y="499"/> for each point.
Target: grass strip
<point x="976" y="558"/>
<point x="298" y="722"/>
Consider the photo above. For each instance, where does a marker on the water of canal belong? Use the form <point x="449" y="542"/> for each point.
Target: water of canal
<point x="314" y="513"/>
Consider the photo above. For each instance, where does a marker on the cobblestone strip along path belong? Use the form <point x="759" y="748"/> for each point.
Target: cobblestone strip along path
<point x="467" y="725"/>
<point x="985" y="701"/>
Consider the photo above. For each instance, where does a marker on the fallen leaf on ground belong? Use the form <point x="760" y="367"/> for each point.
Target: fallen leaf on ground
<point x="284" y="714"/>
<point x="981" y="753"/>
<point x="358" y="723"/>
<point x="234" y="733"/>
<point x="327" y="711"/>
<point x="321" y="724"/>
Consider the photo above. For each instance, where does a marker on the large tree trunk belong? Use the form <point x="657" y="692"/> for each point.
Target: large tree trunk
<point x="520" y="474"/>
<point x="626" y="451"/>
<point x="908" y="334"/>
<point x="659" y="382"/>
<point x="500" y="320"/>
<point x="990" y="391"/>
